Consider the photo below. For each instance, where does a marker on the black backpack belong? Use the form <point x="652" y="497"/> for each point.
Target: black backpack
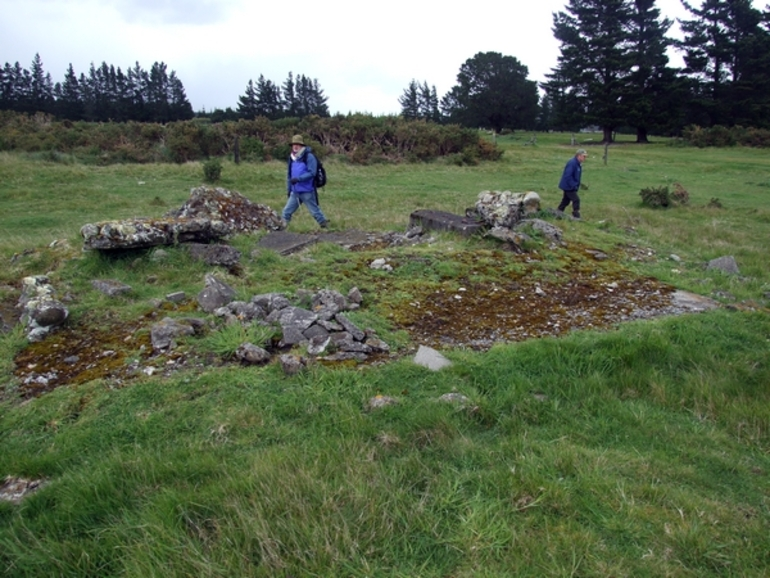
<point x="320" y="176"/>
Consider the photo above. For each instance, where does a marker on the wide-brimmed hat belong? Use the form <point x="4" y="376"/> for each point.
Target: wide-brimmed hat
<point x="297" y="139"/>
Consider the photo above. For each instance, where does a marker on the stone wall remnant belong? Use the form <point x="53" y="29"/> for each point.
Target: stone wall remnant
<point x="210" y="214"/>
<point x="506" y="209"/>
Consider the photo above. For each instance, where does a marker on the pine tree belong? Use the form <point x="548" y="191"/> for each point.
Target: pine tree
<point x="651" y="82"/>
<point x="290" y="104"/>
<point x="41" y="88"/>
<point x="410" y="101"/>
<point x="592" y="74"/>
<point x="179" y="106"/>
<point x="726" y="55"/>
<point x="136" y="81"/>
<point x="247" y="103"/>
<point x="269" y="102"/>
<point x="12" y="89"/>
<point x="69" y="103"/>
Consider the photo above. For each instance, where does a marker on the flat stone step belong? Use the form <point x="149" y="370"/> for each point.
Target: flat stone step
<point x="444" y="221"/>
<point x="285" y="243"/>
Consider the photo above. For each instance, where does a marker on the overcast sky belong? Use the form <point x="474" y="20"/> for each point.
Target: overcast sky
<point x="363" y="55"/>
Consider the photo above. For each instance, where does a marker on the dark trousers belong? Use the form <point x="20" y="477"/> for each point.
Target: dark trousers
<point x="571" y="197"/>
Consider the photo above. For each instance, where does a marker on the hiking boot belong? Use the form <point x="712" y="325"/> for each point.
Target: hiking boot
<point x="324" y="225"/>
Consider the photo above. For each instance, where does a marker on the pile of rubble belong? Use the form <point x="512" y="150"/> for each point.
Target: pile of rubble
<point x="210" y="214"/>
<point x="321" y="325"/>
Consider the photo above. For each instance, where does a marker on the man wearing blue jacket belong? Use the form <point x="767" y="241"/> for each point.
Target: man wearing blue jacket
<point x="570" y="183"/>
<point x="300" y="186"/>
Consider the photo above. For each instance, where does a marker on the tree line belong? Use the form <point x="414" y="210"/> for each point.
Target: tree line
<point x="109" y="94"/>
<point x="105" y="94"/>
<point x="613" y="72"/>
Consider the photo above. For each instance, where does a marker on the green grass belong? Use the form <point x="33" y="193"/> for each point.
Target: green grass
<point x="642" y="450"/>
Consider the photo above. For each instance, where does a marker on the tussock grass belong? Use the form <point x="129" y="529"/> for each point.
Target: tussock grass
<point x="637" y="451"/>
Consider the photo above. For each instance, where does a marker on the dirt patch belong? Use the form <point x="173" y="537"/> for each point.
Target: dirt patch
<point x="474" y="299"/>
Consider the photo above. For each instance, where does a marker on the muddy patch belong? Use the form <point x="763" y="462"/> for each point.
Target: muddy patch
<point x="472" y="299"/>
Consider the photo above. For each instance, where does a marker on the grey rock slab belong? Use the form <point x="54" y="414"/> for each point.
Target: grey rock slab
<point x="286" y="243"/>
<point x="430" y="358"/>
<point x="726" y="264"/>
<point x="442" y="221"/>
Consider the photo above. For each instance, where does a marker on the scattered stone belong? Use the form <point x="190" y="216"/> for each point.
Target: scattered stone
<point x="271" y="301"/>
<point x="675" y="258"/>
<point x="430" y="358"/>
<point x="597" y="255"/>
<point x="726" y="264"/>
<point x="507" y="235"/>
<point x="41" y="311"/>
<point x="176" y="297"/>
<point x="549" y="231"/>
<point x="164" y="333"/>
<point x="110" y="287"/>
<point x="345" y="356"/>
<point x="380" y="401"/>
<point x="292" y="364"/>
<point x="251" y="354"/>
<point x="15" y="489"/>
<point x="724" y="295"/>
<point x="454" y="397"/>
<point x="215" y="294"/>
<point x="215" y="254"/>
<point x="377" y="345"/>
<point x="381" y="264"/>
<point x="354" y="296"/>
<point x="317" y="344"/>
<point x="357" y="333"/>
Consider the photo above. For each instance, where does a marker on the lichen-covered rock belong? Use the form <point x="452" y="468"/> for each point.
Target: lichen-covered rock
<point x="215" y="294"/>
<point x="292" y="364"/>
<point x="251" y="354"/>
<point x="237" y="212"/>
<point x="110" y="287"/>
<point x="215" y="254"/>
<point x="504" y="208"/>
<point x="209" y="215"/>
<point x="164" y="333"/>
<point x="41" y="311"/>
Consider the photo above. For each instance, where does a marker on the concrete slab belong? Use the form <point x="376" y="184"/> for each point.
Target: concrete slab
<point x="286" y="243"/>
<point x="442" y="221"/>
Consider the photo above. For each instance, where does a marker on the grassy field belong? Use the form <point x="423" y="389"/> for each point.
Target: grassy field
<point x="642" y="450"/>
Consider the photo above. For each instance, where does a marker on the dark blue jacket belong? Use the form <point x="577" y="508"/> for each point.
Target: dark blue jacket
<point x="570" y="179"/>
<point x="304" y="170"/>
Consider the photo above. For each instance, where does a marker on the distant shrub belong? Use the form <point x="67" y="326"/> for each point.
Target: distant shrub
<point x="360" y="138"/>
<point x="661" y="196"/>
<point x="252" y="149"/>
<point x="680" y="195"/>
<point x="212" y="170"/>
<point x="721" y="136"/>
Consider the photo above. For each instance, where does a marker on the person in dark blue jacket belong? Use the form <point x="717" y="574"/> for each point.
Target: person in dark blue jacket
<point x="570" y="183"/>
<point x="300" y="186"/>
